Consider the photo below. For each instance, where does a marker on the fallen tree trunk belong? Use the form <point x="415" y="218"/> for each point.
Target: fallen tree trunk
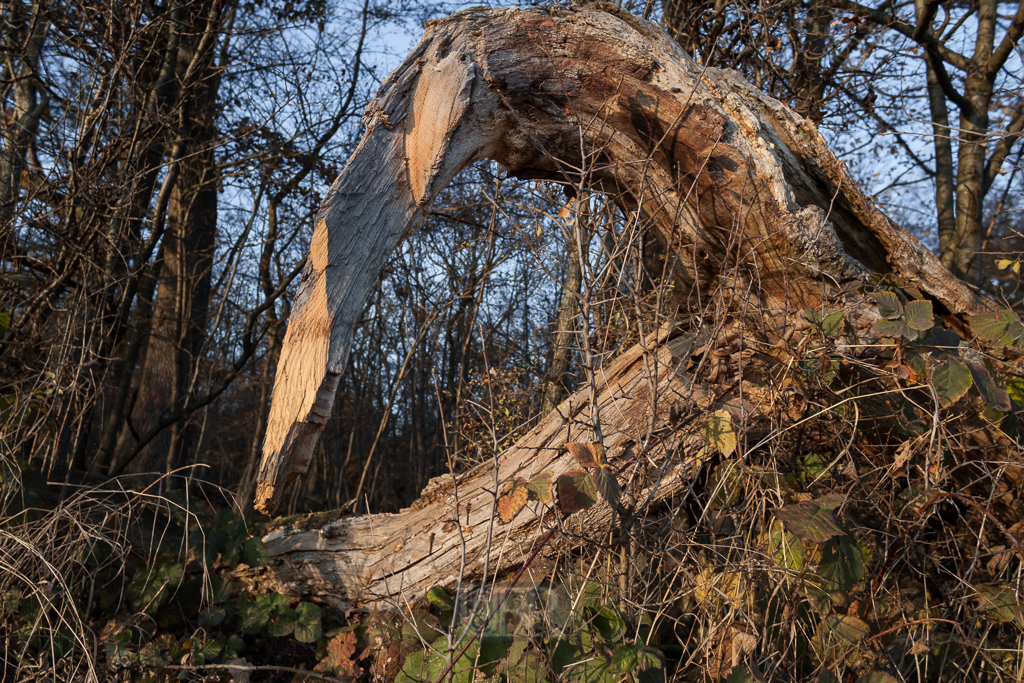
<point x="732" y="183"/>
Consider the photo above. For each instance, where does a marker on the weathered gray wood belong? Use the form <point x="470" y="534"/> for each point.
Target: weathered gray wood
<point x="717" y="169"/>
<point x="387" y="559"/>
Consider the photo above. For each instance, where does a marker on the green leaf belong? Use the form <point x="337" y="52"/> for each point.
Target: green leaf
<point x="206" y="650"/>
<point x="283" y="624"/>
<point x="527" y="667"/>
<point x="541" y="487"/>
<point x="212" y="616"/>
<point x="307" y="627"/>
<point x="232" y="646"/>
<point x="999" y="601"/>
<point x="893" y="328"/>
<point x="596" y="669"/>
<point x="254" y="553"/>
<point x="808" y="521"/>
<point x="741" y="674"/>
<point x="718" y="431"/>
<point x="833" y="324"/>
<point x="576" y="491"/>
<point x="608" y="486"/>
<point x="586" y="454"/>
<point x="787" y="550"/>
<point x="624" y="658"/>
<point x="463" y="671"/>
<point x="842" y="564"/>
<point x="919" y="315"/>
<point x="1002" y="328"/>
<point x="251" y="618"/>
<point x="649" y="659"/>
<point x="836" y="634"/>
<point x="5" y="322"/>
<point x="155" y="583"/>
<point x="889" y="305"/>
<point x="831" y="501"/>
<point x="986" y="386"/>
<point x="830" y="324"/>
<point x="439" y="598"/>
<point x="951" y="380"/>
<point x="414" y="669"/>
<point x="420" y="626"/>
<point x="610" y="625"/>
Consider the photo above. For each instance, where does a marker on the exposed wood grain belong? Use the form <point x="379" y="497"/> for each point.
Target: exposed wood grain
<point x="721" y="172"/>
<point x="386" y="559"/>
<point x="716" y="168"/>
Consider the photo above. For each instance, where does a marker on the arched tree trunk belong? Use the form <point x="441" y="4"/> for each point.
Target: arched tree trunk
<point x="734" y="184"/>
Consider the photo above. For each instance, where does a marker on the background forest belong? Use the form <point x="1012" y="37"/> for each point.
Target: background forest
<point x="161" y="167"/>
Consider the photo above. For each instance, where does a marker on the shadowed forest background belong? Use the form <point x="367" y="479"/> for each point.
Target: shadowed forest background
<point x="162" y="164"/>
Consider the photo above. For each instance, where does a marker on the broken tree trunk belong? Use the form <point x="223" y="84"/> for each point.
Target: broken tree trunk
<point x="729" y="180"/>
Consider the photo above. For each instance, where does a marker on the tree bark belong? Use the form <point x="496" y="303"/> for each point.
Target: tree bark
<point x="715" y="168"/>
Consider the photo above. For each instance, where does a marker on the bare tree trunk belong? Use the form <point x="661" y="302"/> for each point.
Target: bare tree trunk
<point x="178" y="329"/>
<point x="568" y="309"/>
<point x="721" y="172"/>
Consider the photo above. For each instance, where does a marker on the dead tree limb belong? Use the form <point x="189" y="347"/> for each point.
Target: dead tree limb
<point x="729" y="180"/>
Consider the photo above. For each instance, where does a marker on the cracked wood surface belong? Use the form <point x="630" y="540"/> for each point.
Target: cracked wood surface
<point x="720" y="172"/>
<point x="728" y="179"/>
<point x="388" y="559"/>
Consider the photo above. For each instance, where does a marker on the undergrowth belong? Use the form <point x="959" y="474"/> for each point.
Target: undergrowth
<point x="854" y="515"/>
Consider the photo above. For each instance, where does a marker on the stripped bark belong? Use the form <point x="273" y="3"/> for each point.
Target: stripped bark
<point x="729" y="180"/>
<point x="389" y="559"/>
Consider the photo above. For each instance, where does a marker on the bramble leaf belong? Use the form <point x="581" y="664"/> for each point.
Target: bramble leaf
<point x="808" y="521"/>
<point x="986" y="386"/>
<point x="952" y="379"/>
<point x="339" y="660"/>
<point x="608" y="486"/>
<point x="541" y="487"/>
<point x="718" y="431"/>
<point x="513" y="499"/>
<point x="888" y="304"/>
<point x="842" y="564"/>
<point x="1002" y="328"/>
<point x="831" y="324"/>
<point x="836" y="634"/>
<point x="284" y="623"/>
<point x="586" y="454"/>
<point x="251" y="617"/>
<point x="893" y="328"/>
<point x="307" y="626"/>
<point x="919" y="315"/>
<point x="576" y="491"/>
<point x="831" y="501"/>
<point x="439" y="598"/>
<point x="624" y="658"/>
<point x="741" y="674"/>
<point x="254" y="553"/>
<point x="999" y="601"/>
<point x="876" y="677"/>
